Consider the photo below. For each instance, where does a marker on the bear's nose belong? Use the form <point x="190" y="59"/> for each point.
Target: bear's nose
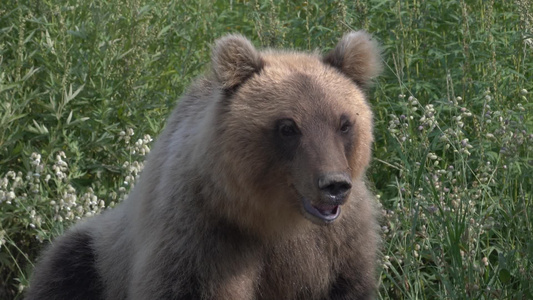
<point x="335" y="185"/>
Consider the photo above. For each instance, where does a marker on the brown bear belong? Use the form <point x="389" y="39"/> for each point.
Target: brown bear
<point x="254" y="190"/>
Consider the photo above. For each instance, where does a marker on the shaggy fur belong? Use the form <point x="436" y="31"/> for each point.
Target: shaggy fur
<point x="254" y="190"/>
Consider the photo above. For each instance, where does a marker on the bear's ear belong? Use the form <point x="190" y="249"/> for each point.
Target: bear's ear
<point x="234" y="60"/>
<point x="357" y="55"/>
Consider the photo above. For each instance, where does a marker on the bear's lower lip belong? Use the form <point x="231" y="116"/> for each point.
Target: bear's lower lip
<point x="326" y="213"/>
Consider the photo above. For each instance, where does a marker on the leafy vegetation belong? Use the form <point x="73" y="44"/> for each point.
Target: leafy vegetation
<point x="85" y="85"/>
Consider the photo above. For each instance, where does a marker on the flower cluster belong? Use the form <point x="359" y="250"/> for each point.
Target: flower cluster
<point x="450" y="157"/>
<point x="126" y="135"/>
<point x="141" y="145"/>
<point x="60" y="167"/>
<point x="131" y="168"/>
<point x="48" y="192"/>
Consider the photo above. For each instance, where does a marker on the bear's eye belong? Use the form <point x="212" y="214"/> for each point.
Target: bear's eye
<point x="287" y="128"/>
<point x="345" y="126"/>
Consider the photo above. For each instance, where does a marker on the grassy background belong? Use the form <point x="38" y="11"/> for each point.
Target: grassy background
<point x="85" y="85"/>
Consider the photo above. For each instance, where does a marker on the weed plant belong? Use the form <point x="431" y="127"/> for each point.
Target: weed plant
<point x="84" y="85"/>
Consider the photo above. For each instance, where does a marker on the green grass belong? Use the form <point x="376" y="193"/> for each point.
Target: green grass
<point x="84" y="85"/>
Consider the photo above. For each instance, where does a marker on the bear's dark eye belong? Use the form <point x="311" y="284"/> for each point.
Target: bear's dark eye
<point x="287" y="128"/>
<point x="345" y="126"/>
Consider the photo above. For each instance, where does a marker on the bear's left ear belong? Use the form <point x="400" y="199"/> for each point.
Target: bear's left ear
<point x="357" y="56"/>
<point x="234" y="60"/>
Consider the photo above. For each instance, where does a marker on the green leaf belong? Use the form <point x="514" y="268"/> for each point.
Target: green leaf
<point x="71" y="95"/>
<point x="505" y="276"/>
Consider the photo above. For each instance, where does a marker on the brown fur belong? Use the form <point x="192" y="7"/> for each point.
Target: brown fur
<point x="219" y="211"/>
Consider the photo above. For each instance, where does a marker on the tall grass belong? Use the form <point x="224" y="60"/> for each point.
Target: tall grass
<point x="85" y="85"/>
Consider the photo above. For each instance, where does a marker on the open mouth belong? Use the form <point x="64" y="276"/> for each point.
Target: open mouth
<point x="326" y="213"/>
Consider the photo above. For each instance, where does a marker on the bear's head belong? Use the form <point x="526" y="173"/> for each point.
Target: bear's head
<point x="291" y="132"/>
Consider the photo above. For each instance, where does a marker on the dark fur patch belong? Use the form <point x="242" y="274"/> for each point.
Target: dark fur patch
<point x="285" y="146"/>
<point x="67" y="271"/>
<point x="193" y="290"/>
<point x="349" y="137"/>
<point x="340" y="288"/>
<point x="188" y="289"/>
<point x="345" y="289"/>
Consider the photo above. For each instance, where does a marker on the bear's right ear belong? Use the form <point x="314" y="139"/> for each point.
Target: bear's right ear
<point x="234" y="60"/>
<point x="357" y="56"/>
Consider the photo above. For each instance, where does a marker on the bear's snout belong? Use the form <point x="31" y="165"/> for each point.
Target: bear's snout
<point x="334" y="187"/>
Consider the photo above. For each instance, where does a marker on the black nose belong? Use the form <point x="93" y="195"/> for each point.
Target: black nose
<point x="335" y="185"/>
